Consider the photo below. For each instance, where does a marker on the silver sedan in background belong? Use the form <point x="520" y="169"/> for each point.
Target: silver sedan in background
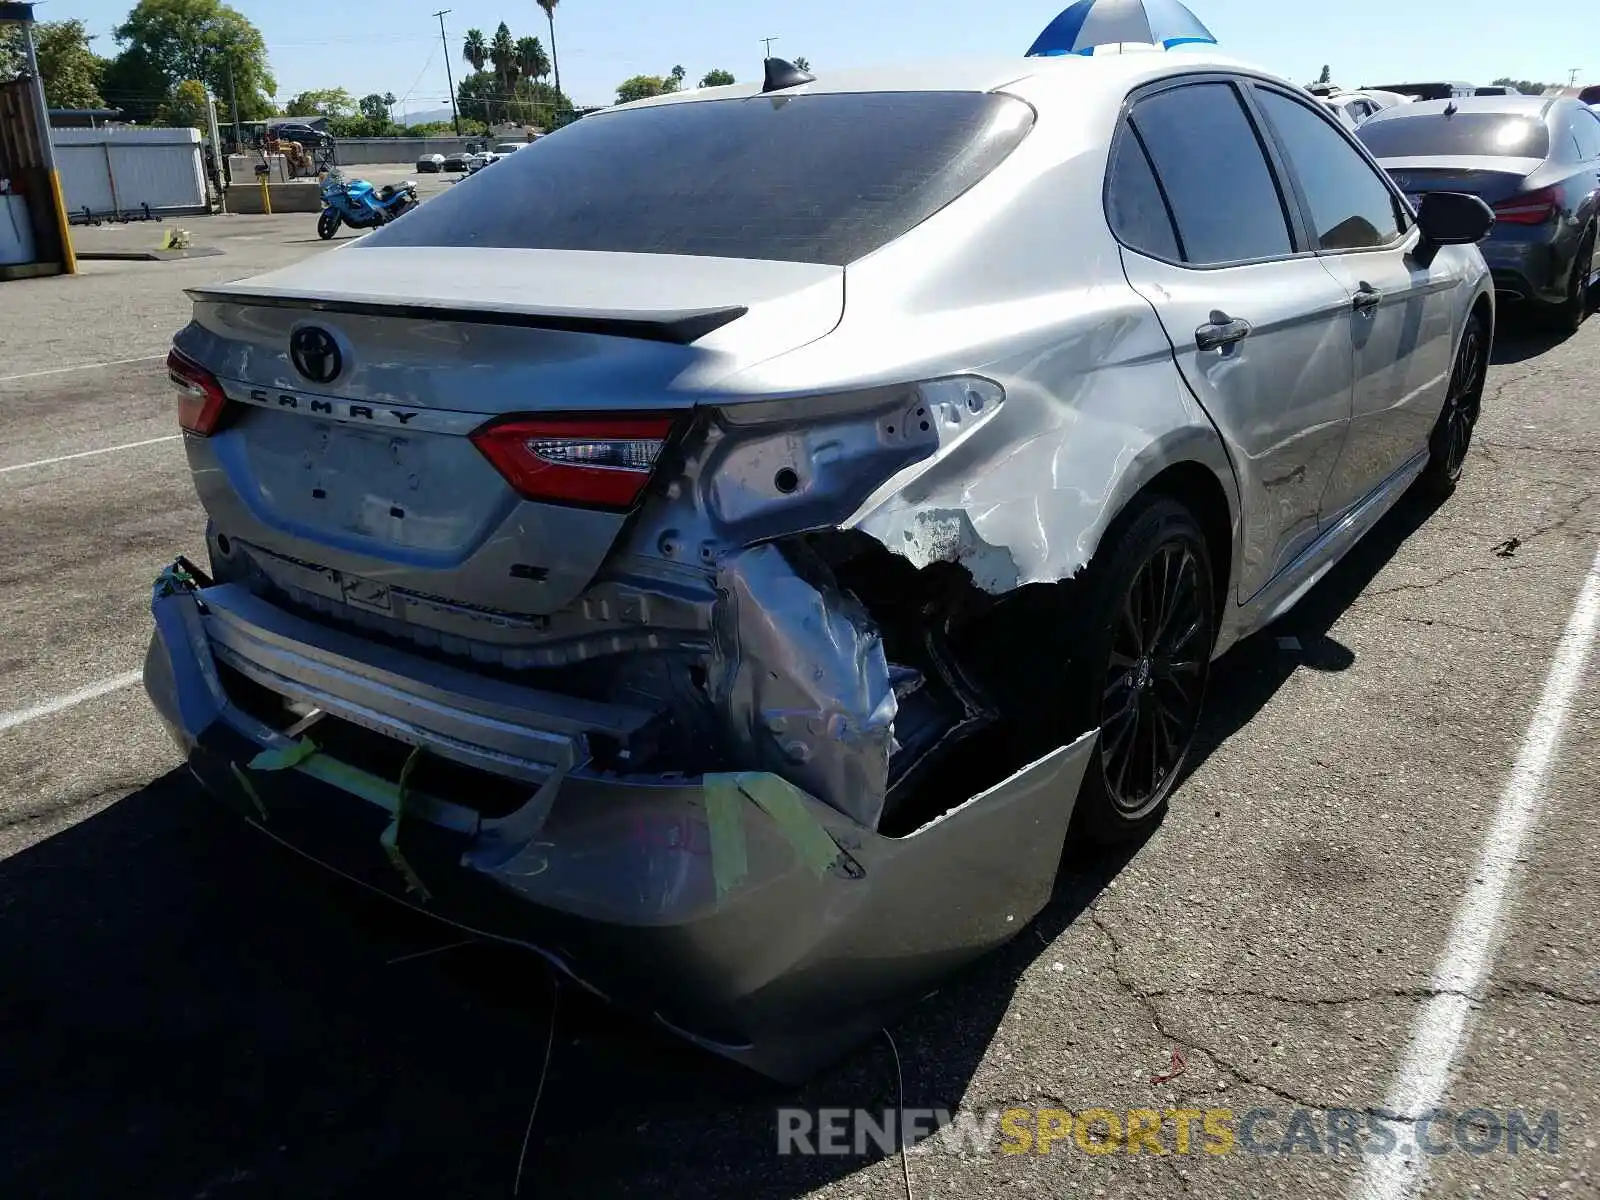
<point x="730" y="546"/>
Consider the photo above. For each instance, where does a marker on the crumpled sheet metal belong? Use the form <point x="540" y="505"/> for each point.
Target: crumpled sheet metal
<point x="781" y="960"/>
<point x="801" y="679"/>
<point x="1023" y="494"/>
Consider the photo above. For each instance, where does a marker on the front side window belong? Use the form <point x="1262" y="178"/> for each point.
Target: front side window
<point x="1351" y="207"/>
<point x="823" y="178"/>
<point x="1214" y="171"/>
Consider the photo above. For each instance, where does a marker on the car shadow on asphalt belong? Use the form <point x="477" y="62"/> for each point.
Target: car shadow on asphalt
<point x="186" y="1008"/>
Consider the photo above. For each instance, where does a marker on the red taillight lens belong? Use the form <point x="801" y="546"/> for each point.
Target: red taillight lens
<point x="200" y="396"/>
<point x="598" y="460"/>
<point x="1534" y="208"/>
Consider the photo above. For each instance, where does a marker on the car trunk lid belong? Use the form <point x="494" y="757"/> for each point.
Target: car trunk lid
<point x="1490" y="179"/>
<point x="359" y="377"/>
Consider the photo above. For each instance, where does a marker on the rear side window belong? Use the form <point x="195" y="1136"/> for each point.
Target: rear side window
<point x="1211" y="165"/>
<point x="818" y="179"/>
<point x="1586" y="132"/>
<point x="1138" y="214"/>
<point x="1493" y="135"/>
<point x="1351" y="207"/>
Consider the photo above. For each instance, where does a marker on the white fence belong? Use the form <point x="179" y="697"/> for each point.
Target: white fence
<point x="113" y="171"/>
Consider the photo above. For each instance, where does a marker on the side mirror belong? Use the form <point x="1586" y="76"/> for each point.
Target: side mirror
<point x="1451" y="219"/>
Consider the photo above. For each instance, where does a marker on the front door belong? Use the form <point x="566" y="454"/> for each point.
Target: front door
<point x="1401" y="314"/>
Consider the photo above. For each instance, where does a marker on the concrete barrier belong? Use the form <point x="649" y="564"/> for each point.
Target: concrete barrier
<point x="355" y="152"/>
<point x="301" y="196"/>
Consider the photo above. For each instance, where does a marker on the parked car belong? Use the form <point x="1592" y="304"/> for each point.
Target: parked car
<point x="752" y="653"/>
<point x="307" y="135"/>
<point x="1535" y="160"/>
<point x="505" y="148"/>
<point x="430" y="163"/>
<point x="457" y="160"/>
<point x="1427" y="91"/>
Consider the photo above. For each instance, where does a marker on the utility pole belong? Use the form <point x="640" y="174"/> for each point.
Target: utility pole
<point x="1572" y="77"/>
<point x="768" y="42"/>
<point x="455" y="116"/>
<point x="233" y="103"/>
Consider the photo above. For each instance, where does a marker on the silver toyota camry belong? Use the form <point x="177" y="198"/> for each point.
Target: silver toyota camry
<point x="732" y="545"/>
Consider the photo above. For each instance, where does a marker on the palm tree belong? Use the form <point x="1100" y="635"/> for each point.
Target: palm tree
<point x="475" y="50"/>
<point x="535" y="63"/>
<point x="549" y="7"/>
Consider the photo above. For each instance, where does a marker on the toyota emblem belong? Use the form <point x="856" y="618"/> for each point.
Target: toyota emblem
<point x="315" y="354"/>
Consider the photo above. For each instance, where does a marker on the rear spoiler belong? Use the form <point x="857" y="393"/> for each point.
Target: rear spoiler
<point x="679" y="327"/>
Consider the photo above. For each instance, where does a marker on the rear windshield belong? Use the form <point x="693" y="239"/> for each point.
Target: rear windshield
<point x="817" y="179"/>
<point x="1492" y="135"/>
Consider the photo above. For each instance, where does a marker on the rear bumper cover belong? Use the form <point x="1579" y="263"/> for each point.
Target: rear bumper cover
<point x="735" y="909"/>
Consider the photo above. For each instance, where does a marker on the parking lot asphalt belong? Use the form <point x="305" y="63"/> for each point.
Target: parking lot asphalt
<point x="188" y="1010"/>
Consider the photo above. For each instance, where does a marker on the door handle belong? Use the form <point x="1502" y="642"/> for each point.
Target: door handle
<point x="1222" y="330"/>
<point x="1366" y="299"/>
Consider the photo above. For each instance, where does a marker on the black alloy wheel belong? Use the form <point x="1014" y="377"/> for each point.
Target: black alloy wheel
<point x="1160" y="654"/>
<point x="1136" y="635"/>
<point x="1452" y="434"/>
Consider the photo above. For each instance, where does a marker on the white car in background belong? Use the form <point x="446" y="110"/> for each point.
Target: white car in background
<point x="1354" y="108"/>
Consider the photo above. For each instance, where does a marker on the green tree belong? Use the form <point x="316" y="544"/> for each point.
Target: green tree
<point x="189" y="106"/>
<point x="802" y="63"/>
<point x="549" y="7"/>
<point x="535" y="63"/>
<point x="474" y="49"/>
<point x="640" y="87"/>
<point x="1327" y="74"/>
<point x="321" y="102"/>
<point x="72" y="72"/>
<point x="717" y="78"/>
<point x="375" y="107"/>
<point x="1526" y="86"/>
<point x="675" y="79"/>
<point x="136" y="85"/>
<point x="502" y="50"/>
<point x="201" y="40"/>
<point x="529" y="102"/>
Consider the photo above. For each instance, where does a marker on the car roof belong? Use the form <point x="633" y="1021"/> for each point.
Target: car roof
<point x="1508" y="106"/>
<point x="1109" y="74"/>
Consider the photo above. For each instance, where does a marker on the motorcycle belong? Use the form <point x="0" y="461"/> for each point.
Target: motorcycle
<point x="358" y="204"/>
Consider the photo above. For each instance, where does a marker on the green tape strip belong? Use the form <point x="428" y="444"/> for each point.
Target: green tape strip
<point x="785" y="804"/>
<point x="724" y="802"/>
<point x="389" y="839"/>
<point x="353" y="780"/>
<point x="291" y="755"/>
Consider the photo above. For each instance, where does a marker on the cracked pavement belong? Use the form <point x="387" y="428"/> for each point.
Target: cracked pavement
<point x="187" y="1011"/>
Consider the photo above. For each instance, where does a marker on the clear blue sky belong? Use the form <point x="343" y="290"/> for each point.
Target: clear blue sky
<point x="393" y="45"/>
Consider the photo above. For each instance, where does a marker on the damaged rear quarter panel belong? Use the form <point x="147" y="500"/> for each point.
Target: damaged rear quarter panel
<point x="1021" y="283"/>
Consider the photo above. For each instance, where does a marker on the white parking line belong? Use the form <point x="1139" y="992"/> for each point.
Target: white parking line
<point x="49" y="708"/>
<point x="1442" y="1025"/>
<point x="61" y="458"/>
<point x="115" y="362"/>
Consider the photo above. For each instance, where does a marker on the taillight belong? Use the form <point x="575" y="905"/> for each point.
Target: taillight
<point x="200" y="396"/>
<point x="1534" y="208"/>
<point x="595" y="460"/>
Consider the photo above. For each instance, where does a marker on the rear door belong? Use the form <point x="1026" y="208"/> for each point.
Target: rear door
<point x="1259" y="329"/>
<point x="1401" y="320"/>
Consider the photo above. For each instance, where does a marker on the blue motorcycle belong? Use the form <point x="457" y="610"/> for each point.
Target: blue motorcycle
<point x="358" y="204"/>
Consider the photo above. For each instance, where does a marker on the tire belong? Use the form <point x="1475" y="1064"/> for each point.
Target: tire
<point x="1452" y="432"/>
<point x="1568" y="316"/>
<point x="1150" y="587"/>
<point x="328" y="224"/>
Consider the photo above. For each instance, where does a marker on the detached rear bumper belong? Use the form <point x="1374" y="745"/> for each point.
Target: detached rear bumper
<point x="736" y="909"/>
